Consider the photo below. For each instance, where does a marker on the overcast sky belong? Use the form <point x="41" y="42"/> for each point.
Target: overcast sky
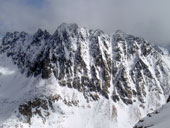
<point x="147" y="18"/>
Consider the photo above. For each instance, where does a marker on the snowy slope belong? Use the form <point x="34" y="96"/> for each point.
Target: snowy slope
<point x="79" y="77"/>
<point x="158" y="119"/>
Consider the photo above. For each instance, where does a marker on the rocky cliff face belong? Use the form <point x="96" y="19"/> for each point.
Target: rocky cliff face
<point x="121" y="70"/>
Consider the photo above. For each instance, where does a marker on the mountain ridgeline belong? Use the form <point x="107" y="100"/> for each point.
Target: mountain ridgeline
<point x="120" y="68"/>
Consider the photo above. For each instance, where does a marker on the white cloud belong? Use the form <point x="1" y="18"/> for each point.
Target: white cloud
<point x="147" y="18"/>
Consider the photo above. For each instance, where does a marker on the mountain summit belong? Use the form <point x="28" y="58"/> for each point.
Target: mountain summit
<point x="79" y="77"/>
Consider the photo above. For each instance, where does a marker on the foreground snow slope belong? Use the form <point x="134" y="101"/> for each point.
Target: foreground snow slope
<point x="80" y="78"/>
<point x="159" y="119"/>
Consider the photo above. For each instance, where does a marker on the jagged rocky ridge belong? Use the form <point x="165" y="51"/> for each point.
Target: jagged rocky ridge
<point x="120" y="67"/>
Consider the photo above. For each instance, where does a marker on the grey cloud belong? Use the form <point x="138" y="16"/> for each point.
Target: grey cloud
<point x="147" y="18"/>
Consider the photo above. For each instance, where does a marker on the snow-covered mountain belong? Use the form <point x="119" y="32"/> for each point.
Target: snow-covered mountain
<point x="158" y="119"/>
<point x="79" y="77"/>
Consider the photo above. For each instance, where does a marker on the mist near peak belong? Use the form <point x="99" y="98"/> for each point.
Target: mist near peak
<point x="147" y="18"/>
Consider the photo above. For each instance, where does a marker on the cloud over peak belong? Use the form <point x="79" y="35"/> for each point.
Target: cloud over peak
<point x="147" y="18"/>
